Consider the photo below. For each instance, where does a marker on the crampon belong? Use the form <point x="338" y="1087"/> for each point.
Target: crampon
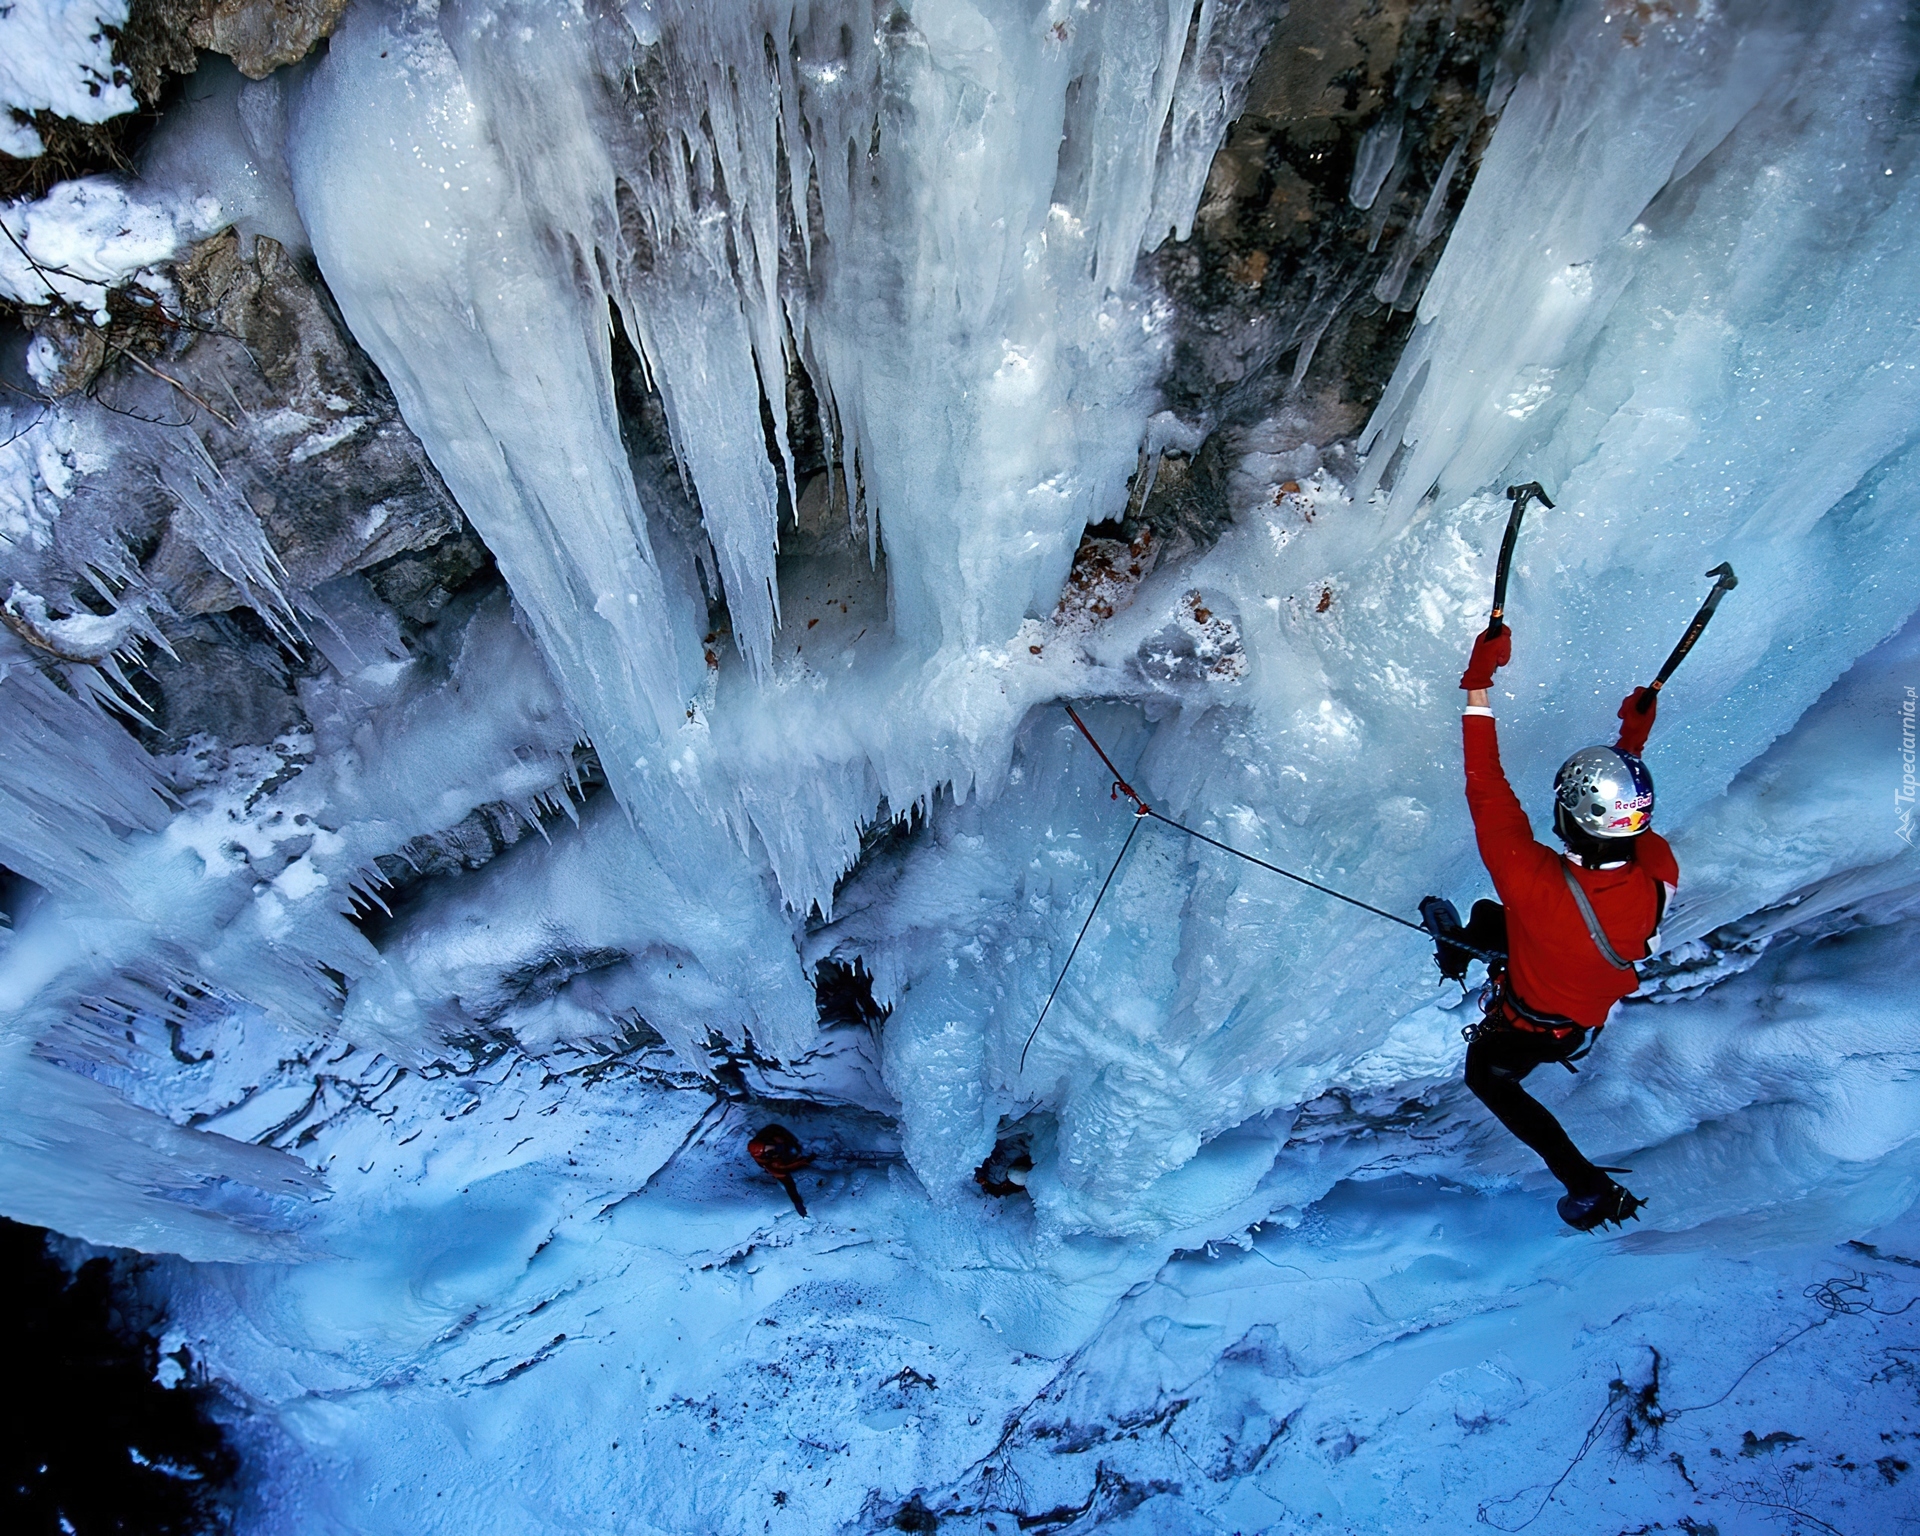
<point x="1615" y="1205"/>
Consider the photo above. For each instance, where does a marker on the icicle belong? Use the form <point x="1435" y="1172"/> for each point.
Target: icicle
<point x="977" y="351"/>
<point x="73" y="780"/>
<point x="223" y="527"/>
<point x="1420" y="234"/>
<point x="1375" y="160"/>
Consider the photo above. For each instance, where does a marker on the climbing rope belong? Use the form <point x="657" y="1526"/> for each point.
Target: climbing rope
<point x="1138" y="817"/>
<point x="1141" y="812"/>
<point x="1122" y="787"/>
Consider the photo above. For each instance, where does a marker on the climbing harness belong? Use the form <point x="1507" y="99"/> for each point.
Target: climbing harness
<point x="1501" y="1009"/>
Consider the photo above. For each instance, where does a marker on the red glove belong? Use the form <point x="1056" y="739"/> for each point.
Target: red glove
<point x="1490" y="652"/>
<point x="1634" y="725"/>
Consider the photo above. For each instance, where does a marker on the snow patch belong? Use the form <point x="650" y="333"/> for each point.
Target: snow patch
<point x="57" y="56"/>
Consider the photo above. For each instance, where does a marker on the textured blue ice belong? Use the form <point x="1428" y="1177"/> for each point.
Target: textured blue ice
<point x="482" y="1251"/>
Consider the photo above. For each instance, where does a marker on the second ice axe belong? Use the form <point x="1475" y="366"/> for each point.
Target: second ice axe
<point x="1519" y="495"/>
<point x="1724" y="581"/>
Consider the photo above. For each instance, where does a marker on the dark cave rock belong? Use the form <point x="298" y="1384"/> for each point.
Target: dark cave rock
<point x="96" y="1443"/>
<point x="226" y="679"/>
<point x="1293" y="299"/>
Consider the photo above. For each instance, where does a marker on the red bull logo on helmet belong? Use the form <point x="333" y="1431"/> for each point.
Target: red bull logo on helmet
<point x="1630" y="816"/>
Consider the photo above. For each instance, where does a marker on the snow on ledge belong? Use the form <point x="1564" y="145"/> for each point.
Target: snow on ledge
<point x="87" y="236"/>
<point x="57" y="56"/>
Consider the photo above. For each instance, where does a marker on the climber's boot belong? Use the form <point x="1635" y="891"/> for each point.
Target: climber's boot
<point x="1613" y="1204"/>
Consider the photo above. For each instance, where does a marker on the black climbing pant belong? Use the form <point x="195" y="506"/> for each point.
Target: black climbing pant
<point x="1497" y="1059"/>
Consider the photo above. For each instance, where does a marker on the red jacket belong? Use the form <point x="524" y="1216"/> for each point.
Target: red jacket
<point x="1552" y="960"/>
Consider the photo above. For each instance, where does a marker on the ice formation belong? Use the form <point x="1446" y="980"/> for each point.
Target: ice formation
<point x="889" y="210"/>
<point x="429" y="1172"/>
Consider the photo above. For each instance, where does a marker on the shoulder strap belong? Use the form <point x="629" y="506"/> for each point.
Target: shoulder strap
<point x="1594" y="930"/>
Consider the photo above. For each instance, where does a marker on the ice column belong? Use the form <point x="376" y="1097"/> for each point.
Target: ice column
<point x="937" y="216"/>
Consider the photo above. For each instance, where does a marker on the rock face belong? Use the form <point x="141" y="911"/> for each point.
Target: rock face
<point x="310" y="438"/>
<point x="221" y="679"/>
<point x="161" y="37"/>
<point x="65" y="355"/>
<point x="158" y="40"/>
<point x="1327" y="208"/>
<point x="1324" y="214"/>
<point x="206" y="461"/>
<point x="261" y="35"/>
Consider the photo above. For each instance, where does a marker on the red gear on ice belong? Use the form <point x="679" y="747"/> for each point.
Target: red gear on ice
<point x="777" y="1150"/>
<point x="1552" y="962"/>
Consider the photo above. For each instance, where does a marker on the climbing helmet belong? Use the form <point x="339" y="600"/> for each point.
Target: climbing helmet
<point x="1605" y="792"/>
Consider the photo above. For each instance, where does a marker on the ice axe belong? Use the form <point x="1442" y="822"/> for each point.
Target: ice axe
<point x="1519" y="495"/>
<point x="1724" y="581"/>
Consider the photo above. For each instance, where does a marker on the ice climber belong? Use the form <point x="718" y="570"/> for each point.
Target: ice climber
<point x="777" y="1150"/>
<point x="1570" y="923"/>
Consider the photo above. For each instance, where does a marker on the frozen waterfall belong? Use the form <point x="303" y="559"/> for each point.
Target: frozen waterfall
<point x="669" y="462"/>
